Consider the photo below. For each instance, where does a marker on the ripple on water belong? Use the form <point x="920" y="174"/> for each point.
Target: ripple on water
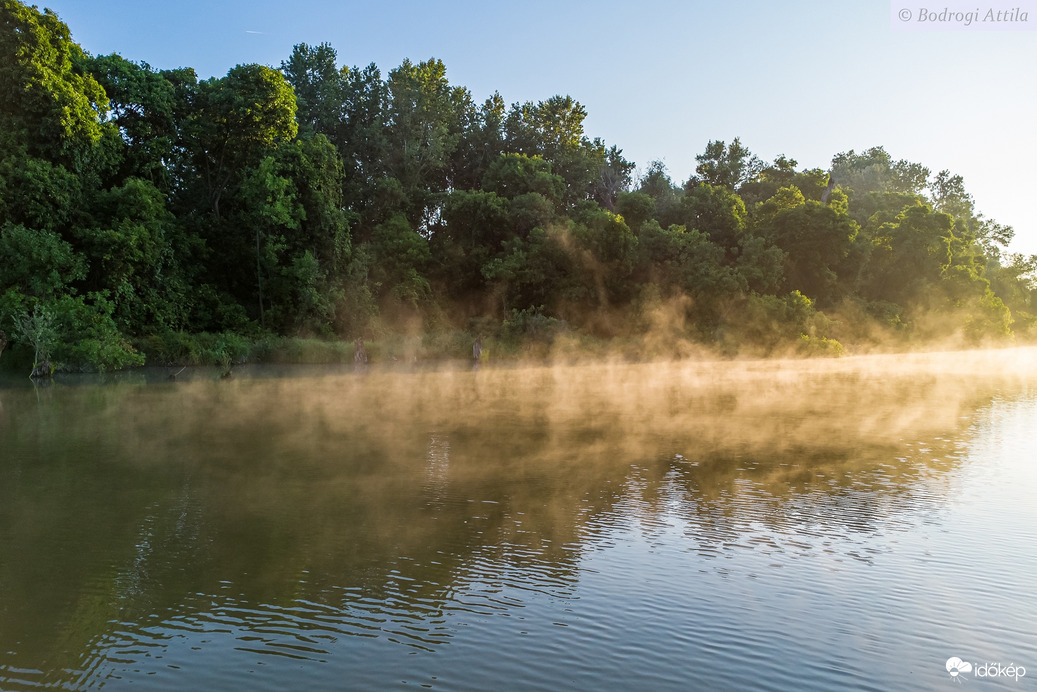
<point x="660" y="570"/>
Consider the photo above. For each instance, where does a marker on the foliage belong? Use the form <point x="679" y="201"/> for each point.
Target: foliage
<point x="38" y="331"/>
<point x="88" y="338"/>
<point x="726" y="165"/>
<point x="532" y="324"/>
<point x="37" y="263"/>
<point x="212" y="220"/>
<point x="204" y="348"/>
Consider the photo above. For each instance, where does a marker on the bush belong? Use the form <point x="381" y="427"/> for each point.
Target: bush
<point x="818" y="346"/>
<point x="88" y="339"/>
<point x="205" y="348"/>
<point x="532" y="324"/>
<point x="770" y="324"/>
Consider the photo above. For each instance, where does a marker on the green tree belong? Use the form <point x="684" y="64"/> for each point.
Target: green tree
<point x="726" y="165"/>
<point x="238" y="120"/>
<point x="425" y="118"/>
<point x="910" y="255"/>
<point x="318" y="88"/>
<point x="476" y="226"/>
<point x="553" y="130"/>
<point x="782" y="173"/>
<point x="635" y="208"/>
<point x="717" y="211"/>
<point x="51" y="108"/>
<point x="38" y="330"/>
<point x="816" y="239"/>
<point x="40" y="194"/>
<point x="874" y="170"/>
<point x="133" y="256"/>
<point x="37" y="263"/>
<point x="667" y="197"/>
<point x="535" y="272"/>
<point x="614" y="178"/>
<point x="512" y="175"/>
<point x="607" y="250"/>
<point x="361" y="137"/>
<point x="402" y="259"/>
<point x="947" y="194"/>
<point x="481" y="143"/>
<point x="145" y="106"/>
<point x="686" y="261"/>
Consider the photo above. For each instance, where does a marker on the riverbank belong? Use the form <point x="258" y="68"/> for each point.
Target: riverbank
<point x="229" y="351"/>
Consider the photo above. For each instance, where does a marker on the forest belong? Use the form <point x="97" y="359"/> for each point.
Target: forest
<point x="149" y="216"/>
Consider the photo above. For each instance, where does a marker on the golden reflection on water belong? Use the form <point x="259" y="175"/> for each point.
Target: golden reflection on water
<point x="384" y="497"/>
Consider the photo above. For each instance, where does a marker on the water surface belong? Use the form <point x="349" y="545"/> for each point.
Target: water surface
<point x="821" y="525"/>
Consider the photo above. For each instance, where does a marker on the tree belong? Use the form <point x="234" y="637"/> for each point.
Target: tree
<point x="38" y="331"/>
<point x="271" y="200"/>
<point x="656" y="183"/>
<point x="687" y="261"/>
<point x="553" y="129"/>
<point x="726" y="166"/>
<point x="512" y="175"/>
<point x="425" y="117"/>
<point x="361" y="137"/>
<point x="51" y="107"/>
<point x="782" y="173"/>
<point x="907" y="177"/>
<point x="40" y="194"/>
<point x="37" y="263"/>
<point x="910" y="255"/>
<point x="635" y="208"/>
<point x="716" y="211"/>
<point x="133" y="256"/>
<point x="535" y="272"/>
<point x="864" y="172"/>
<point x="481" y="143"/>
<point x="613" y="179"/>
<point x="402" y="258"/>
<point x="318" y="87"/>
<point x="874" y="170"/>
<point x="606" y="250"/>
<point x="993" y="237"/>
<point x="947" y="194"/>
<point x="816" y="239"/>
<point x="145" y="106"/>
<point x="476" y="226"/>
<point x="238" y="119"/>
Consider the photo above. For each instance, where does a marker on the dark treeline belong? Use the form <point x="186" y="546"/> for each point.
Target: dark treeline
<point x="141" y="206"/>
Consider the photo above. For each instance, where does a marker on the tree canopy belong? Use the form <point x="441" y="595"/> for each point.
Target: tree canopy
<point x="326" y="200"/>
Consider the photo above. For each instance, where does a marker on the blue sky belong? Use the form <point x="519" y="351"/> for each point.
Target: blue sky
<point x="661" y="79"/>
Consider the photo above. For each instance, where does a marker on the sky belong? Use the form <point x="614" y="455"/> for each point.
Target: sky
<point x="660" y="79"/>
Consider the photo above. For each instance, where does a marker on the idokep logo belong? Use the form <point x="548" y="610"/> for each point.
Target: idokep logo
<point x="958" y="668"/>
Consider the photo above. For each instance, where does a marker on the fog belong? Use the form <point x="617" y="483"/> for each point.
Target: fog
<point x="590" y="412"/>
<point x="384" y="494"/>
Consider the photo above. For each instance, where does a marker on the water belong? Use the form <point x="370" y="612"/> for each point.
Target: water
<point x="846" y="524"/>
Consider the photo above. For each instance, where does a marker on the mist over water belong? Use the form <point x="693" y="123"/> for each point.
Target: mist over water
<point x="812" y="524"/>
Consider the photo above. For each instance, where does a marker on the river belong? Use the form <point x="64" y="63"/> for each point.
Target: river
<point x="854" y="523"/>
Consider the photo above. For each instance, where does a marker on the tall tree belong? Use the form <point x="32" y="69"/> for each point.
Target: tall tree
<point x="51" y="107"/>
<point x="361" y="137"/>
<point x="318" y="87"/>
<point x="238" y="119"/>
<point x="425" y="119"/>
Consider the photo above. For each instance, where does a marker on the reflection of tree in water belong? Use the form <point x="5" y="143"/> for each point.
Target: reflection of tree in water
<point x="437" y="467"/>
<point x="799" y="500"/>
<point x="288" y="512"/>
